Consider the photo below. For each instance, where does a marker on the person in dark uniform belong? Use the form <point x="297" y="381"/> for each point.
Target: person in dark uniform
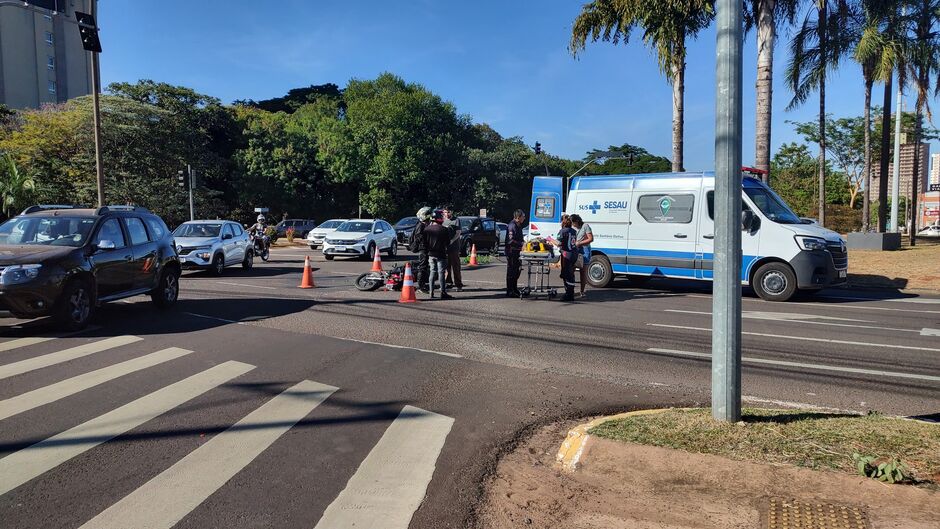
<point x="569" y="255"/>
<point x="514" y="243"/>
<point x="417" y="244"/>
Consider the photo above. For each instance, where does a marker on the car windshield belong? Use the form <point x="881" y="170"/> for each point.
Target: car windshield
<point x="772" y="206"/>
<point x="53" y="231"/>
<point x="465" y="223"/>
<point x="355" y="227"/>
<point x="330" y="224"/>
<point x="197" y="229"/>
<point x="407" y="221"/>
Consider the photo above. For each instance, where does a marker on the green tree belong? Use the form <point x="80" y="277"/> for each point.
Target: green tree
<point x="636" y="160"/>
<point x="816" y="49"/>
<point x="16" y="187"/>
<point x="667" y="25"/>
<point x="846" y="145"/>
<point x="796" y="180"/>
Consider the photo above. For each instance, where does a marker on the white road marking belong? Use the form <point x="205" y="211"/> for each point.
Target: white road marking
<point x="21" y="342"/>
<point x="214" y="318"/>
<point x="46" y="360"/>
<point x="929" y="332"/>
<point x="244" y="285"/>
<point x="925" y="301"/>
<point x="392" y="480"/>
<point x="442" y="353"/>
<point x="829" y="306"/>
<point x="800" y="318"/>
<point x="821" y="367"/>
<point x="71" y="386"/>
<point x="167" y="498"/>
<point x="805" y="338"/>
<point x="31" y="462"/>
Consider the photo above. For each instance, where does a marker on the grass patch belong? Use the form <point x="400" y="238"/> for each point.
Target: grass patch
<point x="803" y="438"/>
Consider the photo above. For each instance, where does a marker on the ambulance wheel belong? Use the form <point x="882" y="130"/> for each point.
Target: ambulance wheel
<point x="774" y="282"/>
<point x="600" y="274"/>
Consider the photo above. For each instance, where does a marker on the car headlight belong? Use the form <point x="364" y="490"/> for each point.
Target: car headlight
<point x="328" y="241"/>
<point x="810" y="243"/>
<point x="16" y="274"/>
<point x="362" y="239"/>
<point x="204" y="256"/>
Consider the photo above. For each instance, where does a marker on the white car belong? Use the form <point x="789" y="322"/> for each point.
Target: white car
<point x="361" y="238"/>
<point x="213" y="245"/>
<point x="315" y="236"/>
<point x="930" y="231"/>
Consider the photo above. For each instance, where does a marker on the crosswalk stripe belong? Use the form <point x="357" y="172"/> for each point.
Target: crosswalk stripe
<point x="30" y="462"/>
<point x="21" y="342"/>
<point x="71" y="386"/>
<point x="30" y="364"/>
<point x="166" y="499"/>
<point x="391" y="482"/>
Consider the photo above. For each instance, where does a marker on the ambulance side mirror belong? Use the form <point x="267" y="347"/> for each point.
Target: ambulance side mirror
<point x="749" y="221"/>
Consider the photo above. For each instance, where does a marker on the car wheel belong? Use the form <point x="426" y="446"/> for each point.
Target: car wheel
<point x="168" y="289"/>
<point x="774" y="282"/>
<point x="218" y="265"/>
<point x="600" y="274"/>
<point x="393" y="249"/>
<point x="328" y="257"/>
<point x="249" y="260"/>
<point x="370" y="252"/>
<point x="76" y="306"/>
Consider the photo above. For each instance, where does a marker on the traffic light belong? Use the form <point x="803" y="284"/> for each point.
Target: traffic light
<point x="538" y="148"/>
<point x="88" y="30"/>
<point x="181" y="177"/>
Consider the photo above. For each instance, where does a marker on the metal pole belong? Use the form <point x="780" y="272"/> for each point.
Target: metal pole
<point x="896" y="174"/>
<point x="95" y="89"/>
<point x="192" y="182"/>
<point x="726" y="301"/>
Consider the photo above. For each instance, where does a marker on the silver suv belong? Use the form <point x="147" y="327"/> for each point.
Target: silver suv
<point x="212" y="245"/>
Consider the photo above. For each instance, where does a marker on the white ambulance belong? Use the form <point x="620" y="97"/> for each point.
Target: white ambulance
<point x="661" y="225"/>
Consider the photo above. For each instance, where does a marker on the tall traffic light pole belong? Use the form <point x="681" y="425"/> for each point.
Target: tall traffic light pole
<point x="88" y="30"/>
<point x="726" y="300"/>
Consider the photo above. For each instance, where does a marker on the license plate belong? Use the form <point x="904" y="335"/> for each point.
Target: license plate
<point x="843" y="274"/>
<point x="339" y="248"/>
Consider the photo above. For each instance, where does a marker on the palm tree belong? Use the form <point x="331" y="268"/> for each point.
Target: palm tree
<point x="923" y="65"/>
<point x="765" y="15"/>
<point x="15" y="187"/>
<point x="817" y="48"/>
<point x="667" y="24"/>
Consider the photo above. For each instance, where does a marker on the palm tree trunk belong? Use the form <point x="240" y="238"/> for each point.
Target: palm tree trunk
<point x="866" y="172"/>
<point x="885" y="154"/>
<point x="766" y="35"/>
<point x="823" y="18"/>
<point x="678" y="114"/>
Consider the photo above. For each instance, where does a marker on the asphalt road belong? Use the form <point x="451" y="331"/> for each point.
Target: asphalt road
<point x="258" y="404"/>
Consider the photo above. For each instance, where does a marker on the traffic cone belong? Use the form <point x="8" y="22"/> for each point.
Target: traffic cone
<point x="473" y="256"/>
<point x="408" y="287"/>
<point x="307" y="281"/>
<point x="377" y="262"/>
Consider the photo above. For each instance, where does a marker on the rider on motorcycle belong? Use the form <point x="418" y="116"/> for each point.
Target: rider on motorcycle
<point x="258" y="227"/>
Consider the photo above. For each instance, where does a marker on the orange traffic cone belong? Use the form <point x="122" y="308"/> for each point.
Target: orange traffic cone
<point x="408" y="287"/>
<point x="473" y="256"/>
<point x="377" y="262"/>
<point x="307" y="281"/>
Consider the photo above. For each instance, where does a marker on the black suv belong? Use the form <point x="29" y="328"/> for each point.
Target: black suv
<point x="480" y="231"/>
<point x="64" y="261"/>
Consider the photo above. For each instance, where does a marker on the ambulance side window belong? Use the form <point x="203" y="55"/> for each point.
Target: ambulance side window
<point x="710" y="200"/>
<point x="545" y="208"/>
<point x="666" y="209"/>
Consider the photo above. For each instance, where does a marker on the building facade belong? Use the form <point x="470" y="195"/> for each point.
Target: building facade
<point x="41" y="55"/>
<point x="906" y="173"/>
<point x="935" y="168"/>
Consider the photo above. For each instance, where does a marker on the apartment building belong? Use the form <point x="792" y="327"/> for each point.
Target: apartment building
<point x="907" y="171"/>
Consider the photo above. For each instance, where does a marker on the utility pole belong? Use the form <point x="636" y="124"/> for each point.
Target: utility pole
<point x="88" y="31"/>
<point x="896" y="174"/>
<point x="726" y="300"/>
<point x="192" y="184"/>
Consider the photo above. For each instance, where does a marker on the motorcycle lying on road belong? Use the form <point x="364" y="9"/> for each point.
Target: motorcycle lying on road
<point x="392" y="279"/>
<point x="262" y="246"/>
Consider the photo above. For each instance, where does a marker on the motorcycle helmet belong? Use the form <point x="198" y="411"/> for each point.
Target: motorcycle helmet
<point x="260" y="219"/>
<point x="424" y="214"/>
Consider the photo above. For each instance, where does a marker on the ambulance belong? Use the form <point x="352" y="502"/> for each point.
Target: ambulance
<point x="662" y="226"/>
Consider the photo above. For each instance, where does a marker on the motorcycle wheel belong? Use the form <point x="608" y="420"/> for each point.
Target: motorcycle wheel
<point x="265" y="254"/>
<point x="368" y="282"/>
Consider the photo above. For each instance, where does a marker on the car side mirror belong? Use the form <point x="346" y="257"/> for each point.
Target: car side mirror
<point x="227" y="236"/>
<point x="747" y="219"/>
<point x="105" y="245"/>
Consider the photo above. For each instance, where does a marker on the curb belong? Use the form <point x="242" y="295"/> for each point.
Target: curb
<point x="573" y="447"/>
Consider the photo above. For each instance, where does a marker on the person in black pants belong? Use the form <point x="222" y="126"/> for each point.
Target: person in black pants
<point x="417" y="244"/>
<point x="514" y="243"/>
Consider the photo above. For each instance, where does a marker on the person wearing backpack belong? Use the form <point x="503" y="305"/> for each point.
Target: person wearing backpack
<point x="417" y="244"/>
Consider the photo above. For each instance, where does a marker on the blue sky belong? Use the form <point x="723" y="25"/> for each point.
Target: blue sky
<point x="503" y="63"/>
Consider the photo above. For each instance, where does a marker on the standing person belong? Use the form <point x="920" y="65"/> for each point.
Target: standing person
<point x="437" y="240"/>
<point x="514" y="242"/>
<point x="454" y="279"/>
<point x="416" y="244"/>
<point x="567" y="241"/>
<point x="584" y="239"/>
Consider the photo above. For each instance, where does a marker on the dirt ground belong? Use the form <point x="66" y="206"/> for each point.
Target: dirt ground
<point x="915" y="268"/>
<point x="627" y="486"/>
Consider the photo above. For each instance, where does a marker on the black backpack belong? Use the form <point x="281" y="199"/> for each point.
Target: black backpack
<point x="414" y="241"/>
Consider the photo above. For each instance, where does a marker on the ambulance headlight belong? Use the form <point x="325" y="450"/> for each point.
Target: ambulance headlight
<point x="810" y="243"/>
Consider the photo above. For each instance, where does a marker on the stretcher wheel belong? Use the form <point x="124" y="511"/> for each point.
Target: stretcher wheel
<point x="552" y="294"/>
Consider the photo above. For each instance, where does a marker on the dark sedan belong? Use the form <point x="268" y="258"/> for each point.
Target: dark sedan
<point x="404" y="227"/>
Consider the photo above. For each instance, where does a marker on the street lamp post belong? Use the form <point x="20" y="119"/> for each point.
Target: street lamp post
<point x="96" y="89"/>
